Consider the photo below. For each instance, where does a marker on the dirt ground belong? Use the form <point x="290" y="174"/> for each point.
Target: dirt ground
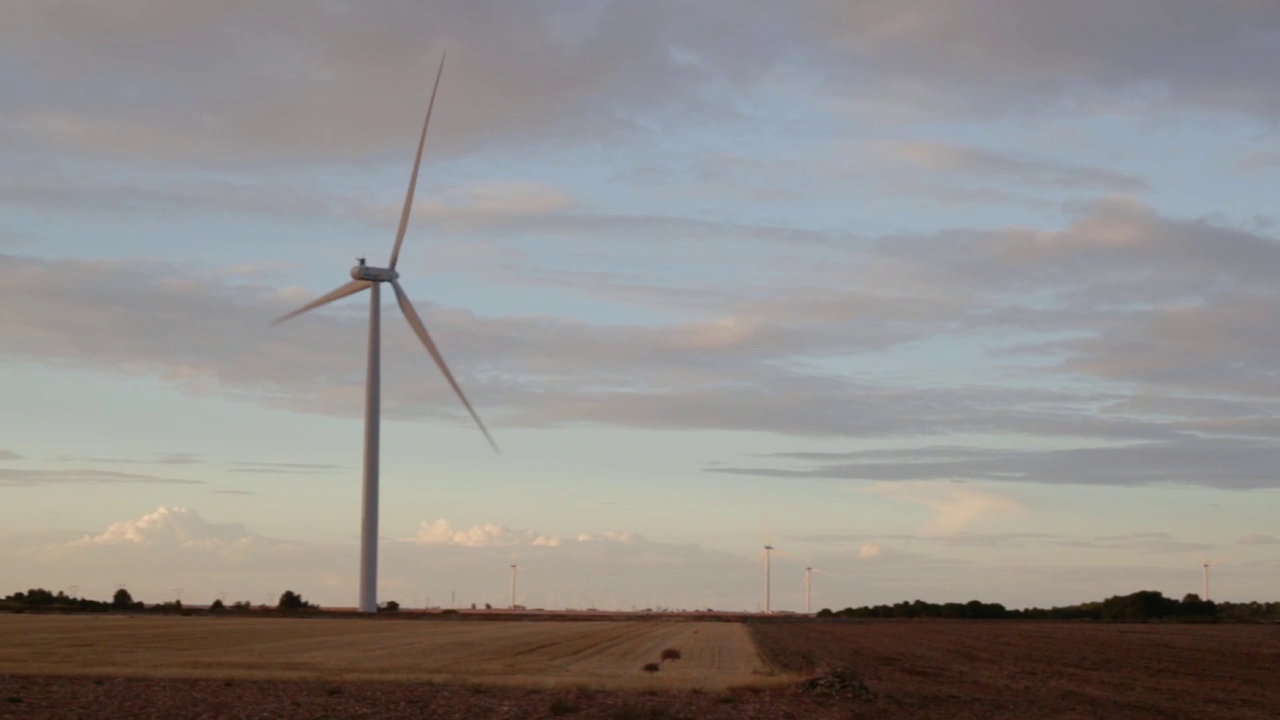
<point x="1026" y="670"/>
<point x="714" y="655"/>
<point x="70" y="668"/>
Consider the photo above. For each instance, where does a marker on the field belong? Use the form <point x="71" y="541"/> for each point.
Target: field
<point x="1009" y="669"/>
<point x="54" y="666"/>
<point x="603" y="654"/>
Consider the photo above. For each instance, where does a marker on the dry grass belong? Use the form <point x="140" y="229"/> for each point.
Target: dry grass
<point x="715" y="655"/>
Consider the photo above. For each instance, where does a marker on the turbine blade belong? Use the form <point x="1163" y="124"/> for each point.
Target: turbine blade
<point x="350" y="288"/>
<point x="413" y="178"/>
<point x="415" y="322"/>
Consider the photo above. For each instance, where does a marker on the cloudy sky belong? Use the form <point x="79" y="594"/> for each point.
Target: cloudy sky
<point x="960" y="302"/>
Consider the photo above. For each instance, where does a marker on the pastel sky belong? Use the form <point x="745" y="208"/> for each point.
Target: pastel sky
<point x="960" y="300"/>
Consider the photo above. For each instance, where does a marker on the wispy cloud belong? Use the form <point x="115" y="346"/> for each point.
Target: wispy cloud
<point x="10" y="477"/>
<point x="957" y="506"/>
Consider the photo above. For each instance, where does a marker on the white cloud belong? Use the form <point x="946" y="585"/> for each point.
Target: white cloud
<point x="957" y="506"/>
<point x="440" y="532"/>
<point x="170" y="527"/>
<point x="869" y="550"/>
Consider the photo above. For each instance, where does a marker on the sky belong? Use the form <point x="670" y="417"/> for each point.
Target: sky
<point x="949" y="302"/>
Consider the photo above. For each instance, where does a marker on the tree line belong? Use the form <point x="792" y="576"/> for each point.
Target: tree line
<point x="41" y="599"/>
<point x="1138" y="606"/>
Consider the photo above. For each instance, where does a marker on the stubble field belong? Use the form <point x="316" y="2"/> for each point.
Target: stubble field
<point x="602" y="654"/>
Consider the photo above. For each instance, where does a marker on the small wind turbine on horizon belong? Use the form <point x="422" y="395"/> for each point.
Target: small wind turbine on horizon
<point x="365" y="277"/>
<point x="514" y="569"/>
<point x="809" y="570"/>
<point x="766" y="556"/>
<point x="1206" y="564"/>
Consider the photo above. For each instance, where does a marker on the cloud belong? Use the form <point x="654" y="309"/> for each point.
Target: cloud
<point x="166" y="458"/>
<point x="276" y="468"/>
<point x="869" y="550"/>
<point x="1141" y="344"/>
<point x="1259" y="539"/>
<point x="993" y="57"/>
<point x="956" y="506"/>
<point x="440" y="532"/>
<point x="170" y="527"/>
<point x="1021" y="170"/>
<point x="10" y="477"/>
<point x="9" y="455"/>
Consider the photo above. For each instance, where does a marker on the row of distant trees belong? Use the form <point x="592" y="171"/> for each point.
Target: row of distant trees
<point x="41" y="599"/>
<point x="1138" y="606"/>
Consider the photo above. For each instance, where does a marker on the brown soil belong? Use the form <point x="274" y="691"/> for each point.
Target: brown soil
<point x="1027" y="670"/>
<point x="37" y="697"/>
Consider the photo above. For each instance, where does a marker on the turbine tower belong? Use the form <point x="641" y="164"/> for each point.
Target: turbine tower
<point x="364" y="277"/>
<point x="514" y="568"/>
<point x="1206" y="564"/>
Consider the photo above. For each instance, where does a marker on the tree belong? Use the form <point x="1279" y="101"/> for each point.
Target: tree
<point x="217" y="606"/>
<point x="291" y="600"/>
<point x="390" y="606"/>
<point x="122" y="599"/>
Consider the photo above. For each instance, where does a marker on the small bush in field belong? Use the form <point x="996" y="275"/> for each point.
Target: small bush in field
<point x="671" y="654"/>
<point x="652" y="668"/>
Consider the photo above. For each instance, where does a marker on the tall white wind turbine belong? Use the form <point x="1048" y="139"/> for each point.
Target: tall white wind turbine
<point x="1206" y="564"/>
<point x="365" y="277"/>
<point x="514" y="568"/>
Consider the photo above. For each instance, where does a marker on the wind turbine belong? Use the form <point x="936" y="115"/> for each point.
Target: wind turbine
<point x="365" y="277"/>
<point x="1206" y="564"/>
<point x="809" y="570"/>
<point x="766" y="557"/>
<point x="514" y="568"/>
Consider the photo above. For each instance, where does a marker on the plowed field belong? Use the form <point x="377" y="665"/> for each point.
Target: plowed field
<point x="1029" y="670"/>
<point x="599" y="654"/>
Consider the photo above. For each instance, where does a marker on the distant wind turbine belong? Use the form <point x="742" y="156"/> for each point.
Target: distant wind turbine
<point x="766" y="558"/>
<point x="809" y="570"/>
<point x="1206" y="564"/>
<point x="365" y="277"/>
<point x="514" y="568"/>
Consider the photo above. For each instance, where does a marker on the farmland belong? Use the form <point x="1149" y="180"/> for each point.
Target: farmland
<point x="56" y="666"/>
<point x="603" y="654"/>
<point x="1015" y="669"/>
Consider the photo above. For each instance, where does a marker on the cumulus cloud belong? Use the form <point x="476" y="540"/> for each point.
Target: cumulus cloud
<point x="869" y="550"/>
<point x="171" y="527"/>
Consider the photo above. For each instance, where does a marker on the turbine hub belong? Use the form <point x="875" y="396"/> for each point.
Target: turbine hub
<point x="373" y="274"/>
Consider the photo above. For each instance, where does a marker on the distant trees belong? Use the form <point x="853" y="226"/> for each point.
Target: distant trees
<point x="122" y="599"/>
<point x="217" y="606"/>
<point x="389" y="606"/>
<point x="291" y="600"/>
<point x="1134" y="607"/>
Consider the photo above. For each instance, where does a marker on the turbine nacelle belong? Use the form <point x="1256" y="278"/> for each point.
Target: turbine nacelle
<point x="369" y="273"/>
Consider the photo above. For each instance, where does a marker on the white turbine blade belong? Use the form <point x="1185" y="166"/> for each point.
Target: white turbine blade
<point x="350" y="288"/>
<point x="413" y="178"/>
<point x="415" y="322"/>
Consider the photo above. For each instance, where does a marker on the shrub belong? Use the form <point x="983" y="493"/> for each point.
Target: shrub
<point x="651" y="668"/>
<point x="671" y="654"/>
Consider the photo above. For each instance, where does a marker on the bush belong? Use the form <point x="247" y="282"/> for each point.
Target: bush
<point x="291" y="600"/>
<point x="651" y="668"/>
<point x="671" y="654"/>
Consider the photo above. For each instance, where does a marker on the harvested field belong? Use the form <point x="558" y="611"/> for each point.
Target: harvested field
<point x="1024" y="670"/>
<point x="599" y="654"/>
